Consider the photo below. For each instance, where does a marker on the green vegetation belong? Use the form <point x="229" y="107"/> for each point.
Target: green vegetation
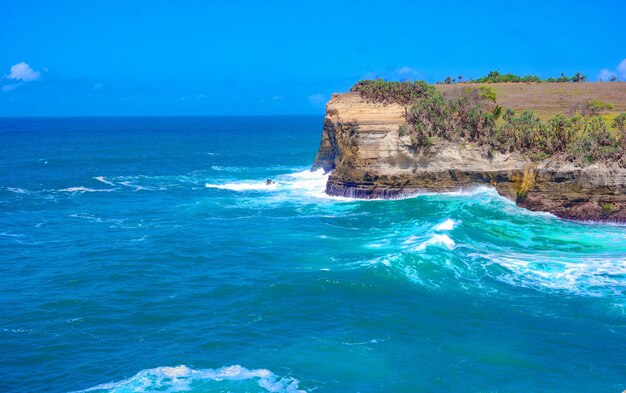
<point x="619" y="123"/>
<point x="386" y="92"/>
<point x="596" y="106"/>
<point x="609" y="208"/>
<point x="496" y="77"/>
<point x="471" y="114"/>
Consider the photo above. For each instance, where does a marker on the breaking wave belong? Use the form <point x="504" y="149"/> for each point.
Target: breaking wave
<point x="306" y="182"/>
<point x="102" y="179"/>
<point x="182" y="378"/>
<point x="85" y="189"/>
<point x="244" y="186"/>
<point x="583" y="275"/>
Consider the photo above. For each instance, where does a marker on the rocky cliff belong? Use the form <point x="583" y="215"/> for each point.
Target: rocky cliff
<point x="362" y="145"/>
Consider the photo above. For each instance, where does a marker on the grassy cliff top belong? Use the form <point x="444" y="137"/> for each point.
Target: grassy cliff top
<point x="577" y="121"/>
<point x="547" y="99"/>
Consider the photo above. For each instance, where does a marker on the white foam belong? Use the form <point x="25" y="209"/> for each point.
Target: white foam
<point x="436" y="240"/>
<point x="179" y="378"/>
<point x="84" y="189"/>
<point x="220" y="168"/>
<point x="244" y="186"/>
<point x="103" y="180"/>
<point x="17" y="190"/>
<point x="447" y="225"/>
<point x="582" y="275"/>
<point x="8" y="234"/>
<point x="310" y="183"/>
<point x="473" y="190"/>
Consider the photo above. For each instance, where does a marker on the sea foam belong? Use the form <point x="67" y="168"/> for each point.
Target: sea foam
<point x="102" y="179"/>
<point x="447" y="225"/>
<point x="85" y="189"/>
<point x="244" y="186"/>
<point x="592" y="276"/>
<point x="181" y="378"/>
<point x="311" y="183"/>
<point x="436" y="240"/>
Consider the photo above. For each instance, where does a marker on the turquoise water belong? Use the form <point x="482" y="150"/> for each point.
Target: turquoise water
<point x="147" y="254"/>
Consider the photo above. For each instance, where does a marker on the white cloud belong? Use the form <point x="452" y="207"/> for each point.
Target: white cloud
<point x="619" y="73"/>
<point x="405" y="73"/>
<point x="605" y="75"/>
<point x="11" y="87"/>
<point x="317" y="99"/>
<point x="621" y="68"/>
<point x="398" y="74"/>
<point x="23" y="72"/>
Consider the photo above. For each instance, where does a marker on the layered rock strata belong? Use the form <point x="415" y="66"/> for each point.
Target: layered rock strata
<point x="362" y="145"/>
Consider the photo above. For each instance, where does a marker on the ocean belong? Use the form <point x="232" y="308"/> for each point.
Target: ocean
<point x="149" y="254"/>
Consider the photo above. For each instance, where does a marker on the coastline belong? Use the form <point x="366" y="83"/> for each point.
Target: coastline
<point x="361" y="144"/>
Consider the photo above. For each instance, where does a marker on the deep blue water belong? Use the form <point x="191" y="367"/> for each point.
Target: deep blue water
<point x="147" y="254"/>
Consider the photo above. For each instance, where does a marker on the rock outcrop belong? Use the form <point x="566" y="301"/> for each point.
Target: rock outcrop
<point x="362" y="145"/>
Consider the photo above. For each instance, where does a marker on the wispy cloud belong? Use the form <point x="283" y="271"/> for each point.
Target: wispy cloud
<point x="11" y="86"/>
<point x="407" y="73"/>
<point x="619" y="73"/>
<point x="606" y="75"/>
<point x="621" y="68"/>
<point x="403" y="73"/>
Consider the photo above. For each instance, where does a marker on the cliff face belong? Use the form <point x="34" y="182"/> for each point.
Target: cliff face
<point x="361" y="144"/>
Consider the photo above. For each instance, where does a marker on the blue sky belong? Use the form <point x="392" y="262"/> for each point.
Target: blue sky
<point x="241" y="57"/>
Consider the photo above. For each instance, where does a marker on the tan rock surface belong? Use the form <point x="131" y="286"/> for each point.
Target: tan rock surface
<point x="362" y="145"/>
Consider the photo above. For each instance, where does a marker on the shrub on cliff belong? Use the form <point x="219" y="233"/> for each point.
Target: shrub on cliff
<point x="496" y="77"/>
<point x="523" y="133"/>
<point x="596" y="143"/>
<point x="595" y="107"/>
<point x="403" y="93"/>
<point x="453" y="115"/>
<point x="561" y="79"/>
<point x="470" y="114"/>
<point x="619" y="123"/>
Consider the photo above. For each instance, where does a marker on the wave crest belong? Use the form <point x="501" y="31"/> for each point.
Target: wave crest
<point x="183" y="378"/>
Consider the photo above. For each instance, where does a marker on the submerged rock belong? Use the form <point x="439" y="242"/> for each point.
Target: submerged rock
<point x="362" y="144"/>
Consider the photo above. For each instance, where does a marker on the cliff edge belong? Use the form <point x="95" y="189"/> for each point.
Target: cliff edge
<point x="364" y="147"/>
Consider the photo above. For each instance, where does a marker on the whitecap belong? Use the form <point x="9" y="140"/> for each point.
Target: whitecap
<point x="220" y="168"/>
<point x="17" y="190"/>
<point x="103" y="180"/>
<point x="436" y="240"/>
<point x="180" y="378"/>
<point x="312" y="183"/>
<point x="584" y="275"/>
<point x="244" y="186"/>
<point x="447" y="225"/>
<point x="8" y="234"/>
<point x="474" y="190"/>
<point x="85" y="189"/>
